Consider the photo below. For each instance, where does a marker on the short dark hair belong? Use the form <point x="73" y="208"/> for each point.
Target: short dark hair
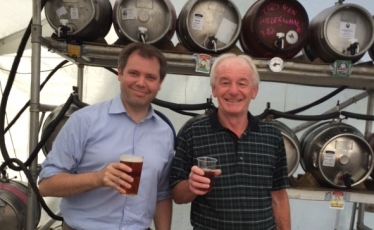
<point x="145" y="50"/>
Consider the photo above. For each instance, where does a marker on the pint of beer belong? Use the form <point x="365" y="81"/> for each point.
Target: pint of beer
<point x="136" y="163"/>
<point x="208" y="165"/>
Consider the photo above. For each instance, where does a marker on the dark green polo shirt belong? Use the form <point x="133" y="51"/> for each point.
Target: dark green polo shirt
<point x="252" y="166"/>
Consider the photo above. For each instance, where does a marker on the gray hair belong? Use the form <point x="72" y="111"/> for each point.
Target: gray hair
<point x="223" y="57"/>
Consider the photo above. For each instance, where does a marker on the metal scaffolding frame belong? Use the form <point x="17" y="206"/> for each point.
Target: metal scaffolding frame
<point x="362" y="77"/>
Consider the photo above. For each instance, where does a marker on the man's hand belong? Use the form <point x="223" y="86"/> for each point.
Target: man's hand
<point x="115" y="176"/>
<point x="199" y="184"/>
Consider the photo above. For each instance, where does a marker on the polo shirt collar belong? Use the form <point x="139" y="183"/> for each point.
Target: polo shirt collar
<point x="253" y="125"/>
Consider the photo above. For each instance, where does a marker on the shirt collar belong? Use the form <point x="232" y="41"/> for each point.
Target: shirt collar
<point x="117" y="107"/>
<point x="253" y="125"/>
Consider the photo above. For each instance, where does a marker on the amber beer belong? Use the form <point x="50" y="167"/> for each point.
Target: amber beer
<point x="136" y="163"/>
<point x="208" y="165"/>
<point x="209" y="173"/>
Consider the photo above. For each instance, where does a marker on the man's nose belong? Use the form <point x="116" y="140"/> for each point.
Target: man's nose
<point x="233" y="88"/>
<point x="141" y="81"/>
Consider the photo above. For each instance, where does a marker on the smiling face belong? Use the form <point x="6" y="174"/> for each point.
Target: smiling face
<point x="234" y="87"/>
<point x="140" y="82"/>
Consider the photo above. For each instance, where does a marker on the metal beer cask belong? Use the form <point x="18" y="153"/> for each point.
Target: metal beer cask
<point x="336" y="154"/>
<point x="208" y="26"/>
<point x="87" y="20"/>
<point x="371" y="52"/>
<point x="274" y="28"/>
<point x="340" y="32"/>
<point x="370" y="140"/>
<point x="51" y="118"/>
<point x="292" y="145"/>
<point x="148" y="21"/>
<point x="13" y="205"/>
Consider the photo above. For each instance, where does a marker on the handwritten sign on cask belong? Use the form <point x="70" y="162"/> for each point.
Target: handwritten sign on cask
<point x="280" y="26"/>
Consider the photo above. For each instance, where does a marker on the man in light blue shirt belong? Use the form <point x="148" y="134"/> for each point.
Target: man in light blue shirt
<point x="83" y="166"/>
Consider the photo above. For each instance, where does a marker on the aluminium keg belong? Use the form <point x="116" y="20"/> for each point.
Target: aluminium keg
<point x="48" y="121"/>
<point x="340" y="32"/>
<point x="208" y="26"/>
<point x="371" y="50"/>
<point x="87" y="20"/>
<point x="13" y="205"/>
<point x="370" y="140"/>
<point x="336" y="154"/>
<point x="274" y="28"/>
<point x="291" y="144"/>
<point x="145" y="21"/>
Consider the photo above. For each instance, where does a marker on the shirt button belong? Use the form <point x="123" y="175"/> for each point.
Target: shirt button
<point x="123" y="228"/>
<point x="127" y="207"/>
<point x="241" y="158"/>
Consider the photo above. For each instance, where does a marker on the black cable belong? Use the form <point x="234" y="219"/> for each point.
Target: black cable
<point x="319" y="101"/>
<point x="305" y="117"/>
<point x="174" y="106"/>
<point x="33" y="185"/>
<point x="49" y="130"/>
<point x="111" y="70"/>
<point x="42" y="71"/>
<point x="263" y="115"/>
<point x="78" y="102"/>
<point x="7" y="89"/>
<point x="357" y="116"/>
<point x="185" y="113"/>
<point x="28" y="103"/>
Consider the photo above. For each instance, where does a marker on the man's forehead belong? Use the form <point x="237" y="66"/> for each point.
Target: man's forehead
<point x="235" y="62"/>
<point x="234" y="65"/>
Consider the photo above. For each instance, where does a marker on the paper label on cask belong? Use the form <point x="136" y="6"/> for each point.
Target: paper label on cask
<point x="198" y="22"/>
<point x="226" y="31"/>
<point x="347" y="30"/>
<point x="74" y="13"/>
<point x="329" y="159"/>
<point x="128" y="13"/>
<point x="61" y="11"/>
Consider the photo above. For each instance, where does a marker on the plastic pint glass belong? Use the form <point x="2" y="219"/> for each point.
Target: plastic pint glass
<point x="136" y="163"/>
<point x="208" y="165"/>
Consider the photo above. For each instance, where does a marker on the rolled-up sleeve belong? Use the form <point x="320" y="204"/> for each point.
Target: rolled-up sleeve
<point x="66" y="150"/>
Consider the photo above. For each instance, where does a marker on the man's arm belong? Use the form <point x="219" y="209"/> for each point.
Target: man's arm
<point x="162" y="217"/>
<point x="182" y="194"/>
<point x="281" y="208"/>
<point x="65" y="184"/>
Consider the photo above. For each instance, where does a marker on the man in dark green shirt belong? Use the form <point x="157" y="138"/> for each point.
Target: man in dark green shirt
<point x="249" y="189"/>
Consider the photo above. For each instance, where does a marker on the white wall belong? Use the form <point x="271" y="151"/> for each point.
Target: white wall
<point x="99" y="84"/>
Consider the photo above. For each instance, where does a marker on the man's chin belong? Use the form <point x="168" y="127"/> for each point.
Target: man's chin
<point x="232" y="111"/>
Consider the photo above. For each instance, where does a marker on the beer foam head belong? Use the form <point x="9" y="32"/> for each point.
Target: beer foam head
<point x="131" y="158"/>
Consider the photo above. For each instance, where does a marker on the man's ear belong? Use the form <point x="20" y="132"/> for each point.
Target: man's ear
<point x="254" y="92"/>
<point x="119" y="73"/>
<point x="214" y="91"/>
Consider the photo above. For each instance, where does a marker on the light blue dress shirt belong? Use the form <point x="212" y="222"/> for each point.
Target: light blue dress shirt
<point x="92" y="138"/>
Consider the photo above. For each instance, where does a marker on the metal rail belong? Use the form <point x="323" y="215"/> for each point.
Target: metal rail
<point x="362" y="76"/>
